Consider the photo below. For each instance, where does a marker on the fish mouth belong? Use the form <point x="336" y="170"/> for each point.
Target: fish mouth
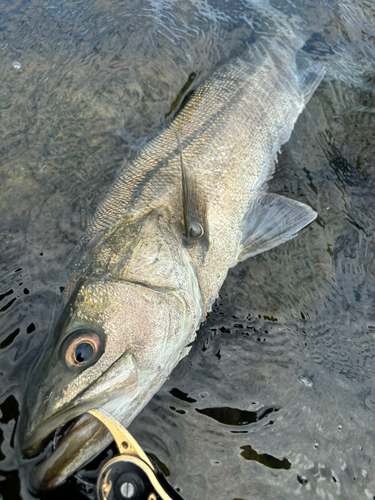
<point x="80" y="438"/>
<point x="87" y="436"/>
<point x="84" y="435"/>
<point x="32" y="444"/>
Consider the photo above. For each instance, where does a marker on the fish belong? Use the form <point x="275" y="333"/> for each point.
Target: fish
<point x="188" y="207"/>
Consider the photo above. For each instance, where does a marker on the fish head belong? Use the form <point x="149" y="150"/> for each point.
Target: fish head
<point x="117" y="339"/>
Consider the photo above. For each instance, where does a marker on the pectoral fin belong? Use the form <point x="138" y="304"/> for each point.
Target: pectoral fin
<point x="272" y="220"/>
<point x="192" y="201"/>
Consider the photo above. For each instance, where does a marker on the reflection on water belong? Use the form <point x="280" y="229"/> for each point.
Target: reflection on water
<point x="277" y="397"/>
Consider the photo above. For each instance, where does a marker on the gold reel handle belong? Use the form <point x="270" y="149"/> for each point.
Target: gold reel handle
<point x="124" y="440"/>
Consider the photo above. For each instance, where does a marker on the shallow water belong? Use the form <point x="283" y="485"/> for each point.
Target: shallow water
<point x="276" y="398"/>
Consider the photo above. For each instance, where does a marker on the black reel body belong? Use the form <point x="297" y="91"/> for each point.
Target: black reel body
<point x="128" y="478"/>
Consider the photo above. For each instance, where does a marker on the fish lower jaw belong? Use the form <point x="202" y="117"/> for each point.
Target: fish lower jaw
<point x="77" y="445"/>
<point x="32" y="443"/>
<point x="87" y="436"/>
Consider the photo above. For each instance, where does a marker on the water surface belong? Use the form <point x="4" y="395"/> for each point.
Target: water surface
<point x="276" y="398"/>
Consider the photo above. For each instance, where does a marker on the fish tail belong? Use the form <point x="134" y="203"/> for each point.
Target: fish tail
<point x="310" y="79"/>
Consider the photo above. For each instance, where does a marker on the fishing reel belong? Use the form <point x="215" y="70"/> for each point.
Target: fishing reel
<point x="130" y="475"/>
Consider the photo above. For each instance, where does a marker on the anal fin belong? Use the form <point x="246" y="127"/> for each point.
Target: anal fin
<point x="272" y="220"/>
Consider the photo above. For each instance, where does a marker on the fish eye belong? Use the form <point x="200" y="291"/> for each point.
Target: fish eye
<point x="196" y="230"/>
<point x="84" y="352"/>
<point x="82" y="348"/>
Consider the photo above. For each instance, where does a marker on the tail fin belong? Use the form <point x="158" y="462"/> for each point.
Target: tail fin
<point x="311" y="78"/>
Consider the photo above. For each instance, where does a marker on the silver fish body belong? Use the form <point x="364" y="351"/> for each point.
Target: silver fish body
<point x="143" y="285"/>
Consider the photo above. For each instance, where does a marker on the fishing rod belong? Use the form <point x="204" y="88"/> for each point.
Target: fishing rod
<point x="132" y="475"/>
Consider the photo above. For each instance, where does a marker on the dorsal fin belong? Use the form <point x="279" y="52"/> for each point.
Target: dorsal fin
<point x="193" y="221"/>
